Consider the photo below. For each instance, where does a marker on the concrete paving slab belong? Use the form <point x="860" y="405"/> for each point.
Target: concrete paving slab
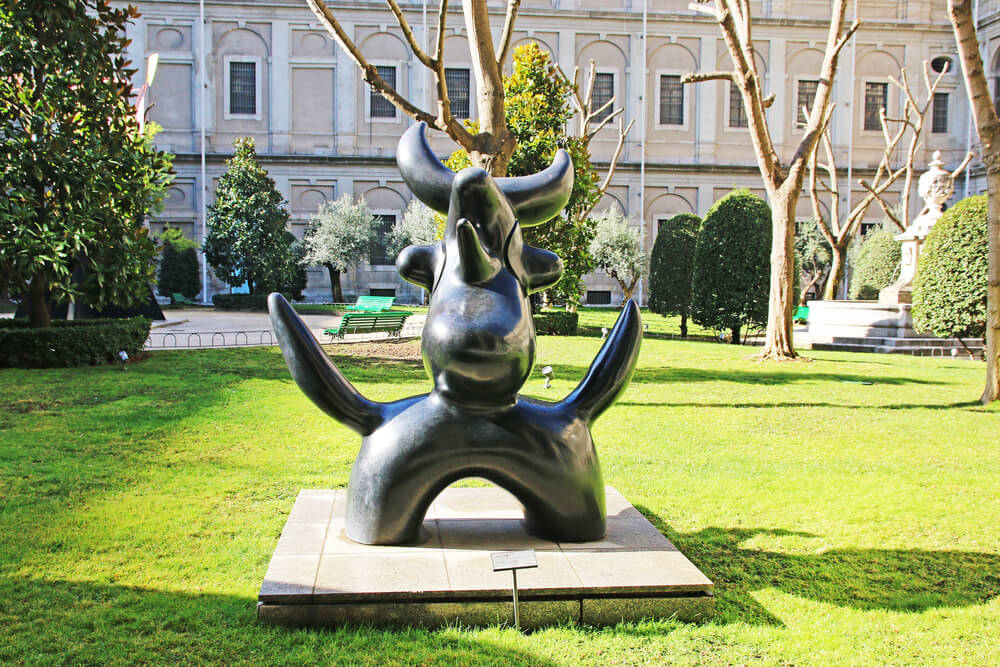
<point x="320" y="577"/>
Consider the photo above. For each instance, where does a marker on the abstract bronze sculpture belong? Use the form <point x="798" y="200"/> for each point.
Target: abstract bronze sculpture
<point x="478" y="348"/>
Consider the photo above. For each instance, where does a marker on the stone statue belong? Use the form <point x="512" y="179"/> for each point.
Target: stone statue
<point x="935" y="187"/>
<point x="478" y="347"/>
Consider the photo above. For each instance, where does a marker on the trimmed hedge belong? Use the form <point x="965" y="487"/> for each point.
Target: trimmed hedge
<point x="556" y="323"/>
<point x="876" y="263"/>
<point x="70" y="342"/>
<point x="949" y="291"/>
<point x="254" y="302"/>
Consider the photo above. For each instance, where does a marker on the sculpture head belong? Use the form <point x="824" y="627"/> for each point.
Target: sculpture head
<point x="479" y="339"/>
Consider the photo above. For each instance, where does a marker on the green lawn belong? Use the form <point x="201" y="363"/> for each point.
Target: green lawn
<point x="843" y="522"/>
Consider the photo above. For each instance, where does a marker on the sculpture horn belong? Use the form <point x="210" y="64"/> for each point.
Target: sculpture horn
<point x="540" y="197"/>
<point x="423" y="172"/>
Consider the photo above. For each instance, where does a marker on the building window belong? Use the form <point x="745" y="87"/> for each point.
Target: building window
<point x="939" y="113"/>
<point x="379" y="106"/>
<point x="382" y="291"/>
<point x="737" y="112"/>
<point x="378" y="254"/>
<point x="604" y="92"/>
<point x="671" y="100"/>
<point x="457" y="80"/>
<point x="876" y="99"/>
<point x="804" y="101"/>
<point x="598" y="298"/>
<point x="243" y="87"/>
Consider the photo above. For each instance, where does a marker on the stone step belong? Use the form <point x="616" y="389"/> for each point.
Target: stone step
<point x="919" y="351"/>
<point x="897" y="342"/>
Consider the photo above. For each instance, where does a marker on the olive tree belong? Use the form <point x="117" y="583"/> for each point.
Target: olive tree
<point x="615" y="248"/>
<point x="338" y="237"/>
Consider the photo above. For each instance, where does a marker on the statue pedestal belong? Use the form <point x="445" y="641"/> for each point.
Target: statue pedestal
<point x="319" y="577"/>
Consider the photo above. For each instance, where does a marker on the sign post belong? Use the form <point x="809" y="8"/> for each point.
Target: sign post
<point x="514" y="561"/>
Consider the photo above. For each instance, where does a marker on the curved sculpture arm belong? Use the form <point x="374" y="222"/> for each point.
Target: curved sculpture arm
<point x="611" y="370"/>
<point x="316" y="375"/>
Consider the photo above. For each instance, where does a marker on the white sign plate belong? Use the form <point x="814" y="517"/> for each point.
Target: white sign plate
<point x="513" y="560"/>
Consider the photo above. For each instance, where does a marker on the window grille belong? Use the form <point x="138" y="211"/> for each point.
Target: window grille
<point x="737" y="112"/>
<point x="380" y="106"/>
<point x="939" y="113"/>
<point x="671" y="100"/>
<point x="378" y="254"/>
<point x="242" y="87"/>
<point x="876" y="99"/>
<point x="457" y="80"/>
<point x="598" y="297"/>
<point x="604" y="90"/>
<point x="804" y="101"/>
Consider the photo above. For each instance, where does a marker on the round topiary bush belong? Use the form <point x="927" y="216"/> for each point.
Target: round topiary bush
<point x="671" y="266"/>
<point x="731" y="265"/>
<point x="949" y="290"/>
<point x="876" y="263"/>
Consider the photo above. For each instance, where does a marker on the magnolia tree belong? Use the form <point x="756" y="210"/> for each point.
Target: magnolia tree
<point x="247" y="240"/>
<point x="615" y="248"/>
<point x="338" y="237"/>
<point x="77" y="173"/>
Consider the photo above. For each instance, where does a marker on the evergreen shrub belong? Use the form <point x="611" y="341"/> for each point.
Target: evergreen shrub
<point x="732" y="265"/>
<point x="252" y="302"/>
<point x="949" y="290"/>
<point x="556" y="323"/>
<point x="70" y="342"/>
<point x="671" y="265"/>
<point x="876" y="263"/>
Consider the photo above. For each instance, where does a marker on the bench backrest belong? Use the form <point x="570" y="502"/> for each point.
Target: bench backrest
<point x="373" y="303"/>
<point x="372" y="321"/>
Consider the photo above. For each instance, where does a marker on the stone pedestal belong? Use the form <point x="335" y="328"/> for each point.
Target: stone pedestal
<point x="319" y="577"/>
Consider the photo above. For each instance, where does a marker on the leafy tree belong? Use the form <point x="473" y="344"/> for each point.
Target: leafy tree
<point x="246" y="240"/>
<point x="178" y="265"/>
<point x="949" y="290"/>
<point x="338" y="237"/>
<point x="671" y="266"/>
<point x="731" y="265"/>
<point x="78" y="174"/>
<point x="615" y="248"/>
<point x="876" y="263"/>
<point x="537" y="101"/>
<point x="813" y="256"/>
<point x="420" y="225"/>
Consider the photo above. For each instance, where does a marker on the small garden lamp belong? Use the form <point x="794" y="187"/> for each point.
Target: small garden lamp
<point x="547" y="374"/>
<point x="123" y="358"/>
<point x="604" y="333"/>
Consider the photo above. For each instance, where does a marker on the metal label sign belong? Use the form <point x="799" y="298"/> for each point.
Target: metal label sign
<point x="513" y="560"/>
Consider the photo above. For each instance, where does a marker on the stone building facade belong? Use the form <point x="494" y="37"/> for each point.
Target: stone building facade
<point x="273" y="73"/>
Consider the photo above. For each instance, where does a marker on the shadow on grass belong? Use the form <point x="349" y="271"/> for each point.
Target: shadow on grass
<point x="665" y="374"/>
<point x="63" y="622"/>
<point x="868" y="579"/>
<point x="970" y="406"/>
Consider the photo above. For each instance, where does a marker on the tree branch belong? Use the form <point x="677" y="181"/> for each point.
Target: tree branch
<point x="697" y="77"/>
<point x="508" y="31"/>
<point x="408" y="34"/>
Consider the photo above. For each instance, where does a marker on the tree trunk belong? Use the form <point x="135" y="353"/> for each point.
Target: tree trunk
<point x="992" y="390"/>
<point x="335" y="292"/>
<point x="988" y="128"/>
<point x="684" y="325"/>
<point x="838" y="265"/>
<point x="778" y="342"/>
<point x="38" y="312"/>
<point x="734" y="336"/>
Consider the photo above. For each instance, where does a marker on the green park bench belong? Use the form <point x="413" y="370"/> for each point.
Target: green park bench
<point x="801" y="314"/>
<point x="390" y="321"/>
<point x="179" y="299"/>
<point x="372" y="304"/>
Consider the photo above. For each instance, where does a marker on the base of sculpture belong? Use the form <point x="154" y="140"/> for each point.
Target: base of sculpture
<point x="873" y="326"/>
<point x="319" y="577"/>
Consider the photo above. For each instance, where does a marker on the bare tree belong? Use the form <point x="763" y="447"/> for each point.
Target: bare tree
<point x="492" y="146"/>
<point x="783" y="183"/>
<point x="907" y="128"/>
<point x="988" y="127"/>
